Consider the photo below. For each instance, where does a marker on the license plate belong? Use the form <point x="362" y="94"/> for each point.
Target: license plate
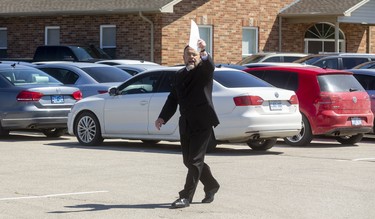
<point x="57" y="99"/>
<point x="276" y="105"/>
<point x="356" y="121"/>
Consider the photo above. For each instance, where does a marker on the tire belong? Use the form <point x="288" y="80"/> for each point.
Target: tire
<point x="151" y="142"/>
<point x="3" y="132"/>
<point x="350" y="139"/>
<point x="304" y="137"/>
<point x="87" y="129"/>
<point x="54" y="133"/>
<point x="262" y="144"/>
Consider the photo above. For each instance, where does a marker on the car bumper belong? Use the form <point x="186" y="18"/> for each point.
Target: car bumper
<point x="30" y="120"/>
<point x="252" y="126"/>
<point x="330" y="123"/>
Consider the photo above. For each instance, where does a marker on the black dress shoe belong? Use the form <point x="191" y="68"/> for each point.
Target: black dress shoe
<point x="210" y="195"/>
<point x="181" y="203"/>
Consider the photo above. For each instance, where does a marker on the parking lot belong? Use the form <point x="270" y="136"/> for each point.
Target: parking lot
<point x="58" y="178"/>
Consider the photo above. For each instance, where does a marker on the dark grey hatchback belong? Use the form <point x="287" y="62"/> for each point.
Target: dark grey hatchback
<point x="33" y="100"/>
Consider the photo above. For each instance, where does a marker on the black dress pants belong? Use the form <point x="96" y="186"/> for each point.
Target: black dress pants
<point x="194" y="142"/>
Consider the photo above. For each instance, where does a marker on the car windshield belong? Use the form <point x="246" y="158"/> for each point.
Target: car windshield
<point x="82" y="53"/>
<point x="20" y="77"/>
<point x="107" y="74"/>
<point x="232" y="79"/>
<point x="251" y="59"/>
<point x="339" y="83"/>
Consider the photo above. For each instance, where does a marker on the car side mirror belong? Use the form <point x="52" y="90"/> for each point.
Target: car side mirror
<point x="113" y="91"/>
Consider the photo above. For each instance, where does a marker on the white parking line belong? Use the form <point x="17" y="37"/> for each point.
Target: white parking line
<point x="52" y="195"/>
<point x="365" y="159"/>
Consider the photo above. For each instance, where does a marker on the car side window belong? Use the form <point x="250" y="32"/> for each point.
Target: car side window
<point x="166" y="84"/>
<point x="367" y="82"/>
<point x="62" y="75"/>
<point x="282" y="79"/>
<point x="273" y="59"/>
<point x="143" y="84"/>
<point x="348" y="63"/>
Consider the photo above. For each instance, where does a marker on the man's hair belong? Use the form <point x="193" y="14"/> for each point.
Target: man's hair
<point x="187" y="46"/>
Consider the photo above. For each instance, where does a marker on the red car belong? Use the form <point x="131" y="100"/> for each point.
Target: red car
<point x="332" y="102"/>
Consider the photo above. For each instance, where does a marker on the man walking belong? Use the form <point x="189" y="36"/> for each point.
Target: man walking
<point x="192" y="91"/>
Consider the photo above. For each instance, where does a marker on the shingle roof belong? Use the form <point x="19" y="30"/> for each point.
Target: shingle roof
<point x="43" y="7"/>
<point x="321" y="7"/>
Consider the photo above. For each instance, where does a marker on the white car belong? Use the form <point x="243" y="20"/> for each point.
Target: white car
<point x="249" y="109"/>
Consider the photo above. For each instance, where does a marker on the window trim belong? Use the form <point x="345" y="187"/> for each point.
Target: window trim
<point x="4" y="29"/>
<point x="256" y="40"/>
<point x="101" y="36"/>
<point x="210" y="50"/>
<point x="46" y="29"/>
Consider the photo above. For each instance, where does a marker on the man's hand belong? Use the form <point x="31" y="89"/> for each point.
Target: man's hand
<point x="201" y="44"/>
<point x="158" y="123"/>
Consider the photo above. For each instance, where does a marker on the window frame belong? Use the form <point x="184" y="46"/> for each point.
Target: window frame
<point x="256" y="46"/>
<point x="102" y="27"/>
<point x="46" y="29"/>
<point x="6" y="39"/>
<point x="209" y="41"/>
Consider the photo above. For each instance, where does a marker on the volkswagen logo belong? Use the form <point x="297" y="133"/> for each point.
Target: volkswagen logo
<point x="277" y="95"/>
<point x="354" y="99"/>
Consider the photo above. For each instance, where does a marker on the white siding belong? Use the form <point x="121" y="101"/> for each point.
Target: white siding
<point x="364" y="14"/>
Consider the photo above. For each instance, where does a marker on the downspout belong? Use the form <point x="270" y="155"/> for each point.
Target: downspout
<point x="152" y="34"/>
<point x="280" y="33"/>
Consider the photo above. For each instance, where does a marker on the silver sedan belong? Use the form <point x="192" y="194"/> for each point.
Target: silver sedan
<point x="33" y="100"/>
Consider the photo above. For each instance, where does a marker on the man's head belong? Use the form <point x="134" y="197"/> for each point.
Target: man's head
<point x="191" y="57"/>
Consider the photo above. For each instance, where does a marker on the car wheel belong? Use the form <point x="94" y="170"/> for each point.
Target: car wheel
<point x="350" y="139"/>
<point x="150" y="141"/>
<point x="262" y="144"/>
<point x="3" y="132"/>
<point x="87" y="129"/>
<point x="54" y="133"/>
<point x="304" y="137"/>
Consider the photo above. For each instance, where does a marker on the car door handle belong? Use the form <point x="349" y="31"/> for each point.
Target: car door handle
<point x="143" y="102"/>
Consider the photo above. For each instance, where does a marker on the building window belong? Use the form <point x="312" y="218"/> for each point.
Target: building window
<point x="3" y="42"/>
<point x="205" y="33"/>
<point x="108" y="39"/>
<point x="52" y="35"/>
<point x="321" y="38"/>
<point x="249" y="41"/>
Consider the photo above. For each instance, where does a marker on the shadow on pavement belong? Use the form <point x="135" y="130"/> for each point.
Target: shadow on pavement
<point x="102" y="207"/>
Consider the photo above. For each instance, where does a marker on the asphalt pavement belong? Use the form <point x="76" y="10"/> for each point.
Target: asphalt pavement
<point x="58" y="178"/>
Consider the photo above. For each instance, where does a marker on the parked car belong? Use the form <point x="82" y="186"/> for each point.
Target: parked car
<point x="366" y="78"/>
<point x="266" y="64"/>
<point x="33" y="100"/>
<point x="125" y="62"/>
<point x="90" y="78"/>
<point x="332" y="102"/>
<point x="271" y="57"/>
<point x="365" y="65"/>
<point x="342" y="62"/>
<point x="229" y="65"/>
<point x="134" y="69"/>
<point x="249" y="109"/>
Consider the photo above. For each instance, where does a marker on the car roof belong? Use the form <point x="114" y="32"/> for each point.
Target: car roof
<point x="370" y="72"/>
<point x="291" y="64"/>
<point x="76" y="64"/>
<point x="15" y="65"/>
<point x="127" y="61"/>
<point x="302" y="70"/>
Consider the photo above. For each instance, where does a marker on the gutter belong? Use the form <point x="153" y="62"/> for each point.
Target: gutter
<point x="152" y="34"/>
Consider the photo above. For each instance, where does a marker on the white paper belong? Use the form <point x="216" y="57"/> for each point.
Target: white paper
<point x="194" y="35"/>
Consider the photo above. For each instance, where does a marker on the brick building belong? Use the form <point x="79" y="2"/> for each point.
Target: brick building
<point x="157" y="30"/>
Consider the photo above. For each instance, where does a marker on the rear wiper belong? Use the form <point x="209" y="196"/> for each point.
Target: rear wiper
<point x="353" y="89"/>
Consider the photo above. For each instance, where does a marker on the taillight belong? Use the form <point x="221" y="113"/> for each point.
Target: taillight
<point x="248" y="100"/>
<point x="29" y="96"/>
<point x="77" y="95"/>
<point x="327" y="102"/>
<point x="293" y="99"/>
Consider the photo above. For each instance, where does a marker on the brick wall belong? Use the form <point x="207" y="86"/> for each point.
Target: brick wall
<point x="171" y="31"/>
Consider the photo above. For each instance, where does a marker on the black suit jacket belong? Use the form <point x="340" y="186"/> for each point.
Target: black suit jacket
<point x="192" y="91"/>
